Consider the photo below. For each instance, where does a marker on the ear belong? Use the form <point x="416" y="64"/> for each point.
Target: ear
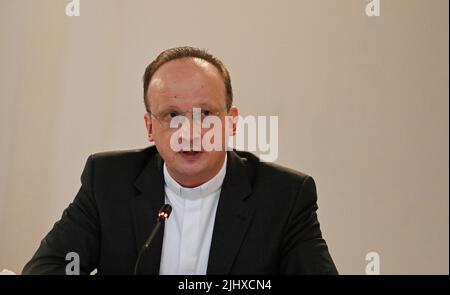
<point x="148" y="125"/>
<point x="233" y="114"/>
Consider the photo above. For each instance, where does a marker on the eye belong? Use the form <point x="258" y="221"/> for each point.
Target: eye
<point x="206" y="113"/>
<point x="172" y="114"/>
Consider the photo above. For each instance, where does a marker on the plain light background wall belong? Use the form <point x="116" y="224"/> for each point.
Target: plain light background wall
<point x="362" y="105"/>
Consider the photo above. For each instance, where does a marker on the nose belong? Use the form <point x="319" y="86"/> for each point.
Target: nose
<point x="191" y="132"/>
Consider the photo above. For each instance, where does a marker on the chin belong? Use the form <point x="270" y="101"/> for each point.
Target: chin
<point x="191" y="171"/>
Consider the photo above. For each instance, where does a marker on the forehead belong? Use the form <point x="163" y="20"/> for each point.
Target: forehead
<point x="187" y="81"/>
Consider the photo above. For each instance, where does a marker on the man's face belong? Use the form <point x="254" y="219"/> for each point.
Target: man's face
<point x="177" y="87"/>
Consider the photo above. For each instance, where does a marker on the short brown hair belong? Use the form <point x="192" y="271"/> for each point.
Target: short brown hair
<point x="187" y="52"/>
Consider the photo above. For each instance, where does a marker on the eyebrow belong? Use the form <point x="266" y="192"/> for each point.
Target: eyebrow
<point x="201" y="105"/>
<point x="205" y="105"/>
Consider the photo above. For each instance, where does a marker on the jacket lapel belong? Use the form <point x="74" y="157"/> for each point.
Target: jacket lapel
<point x="233" y="217"/>
<point x="144" y="209"/>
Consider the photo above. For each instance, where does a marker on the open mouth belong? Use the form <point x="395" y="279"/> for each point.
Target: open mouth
<point x="190" y="155"/>
<point x="190" y="152"/>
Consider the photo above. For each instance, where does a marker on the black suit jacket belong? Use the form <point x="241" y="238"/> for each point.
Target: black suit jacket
<point x="266" y="221"/>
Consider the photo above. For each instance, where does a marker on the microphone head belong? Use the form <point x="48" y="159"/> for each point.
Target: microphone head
<point x="164" y="212"/>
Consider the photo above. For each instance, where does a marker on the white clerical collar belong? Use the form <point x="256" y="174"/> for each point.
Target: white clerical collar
<point x="197" y="192"/>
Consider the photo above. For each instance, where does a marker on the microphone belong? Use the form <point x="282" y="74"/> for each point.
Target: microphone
<point x="163" y="215"/>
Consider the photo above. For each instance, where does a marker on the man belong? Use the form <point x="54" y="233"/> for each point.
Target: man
<point x="232" y="214"/>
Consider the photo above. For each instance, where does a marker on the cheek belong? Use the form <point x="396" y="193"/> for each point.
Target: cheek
<point x="162" y="140"/>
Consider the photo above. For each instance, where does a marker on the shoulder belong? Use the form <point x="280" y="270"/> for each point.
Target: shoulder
<point x="122" y="164"/>
<point x="278" y="188"/>
<point x="268" y="171"/>
<point x="123" y="157"/>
